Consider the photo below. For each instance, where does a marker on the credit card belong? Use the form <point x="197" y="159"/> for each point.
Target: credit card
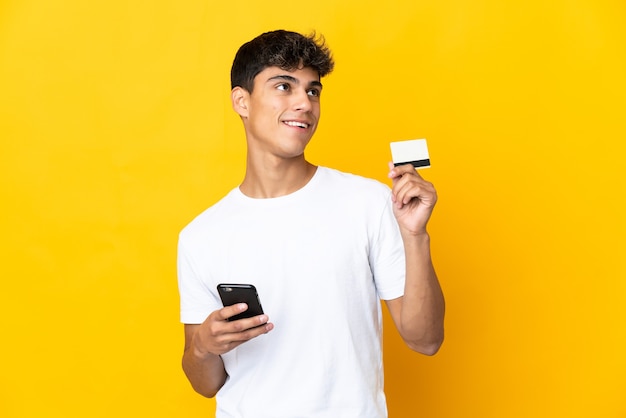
<point x="414" y="151"/>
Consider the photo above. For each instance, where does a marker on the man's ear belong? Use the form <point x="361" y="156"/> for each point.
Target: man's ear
<point x="239" y="97"/>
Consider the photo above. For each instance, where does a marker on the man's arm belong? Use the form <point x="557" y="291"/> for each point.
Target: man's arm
<point x="419" y="314"/>
<point x="204" y="370"/>
<point x="206" y="342"/>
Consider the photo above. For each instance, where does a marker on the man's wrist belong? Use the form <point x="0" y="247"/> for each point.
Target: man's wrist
<point x="420" y="236"/>
<point x="199" y="352"/>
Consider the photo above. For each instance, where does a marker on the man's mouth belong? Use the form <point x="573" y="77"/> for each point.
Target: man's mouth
<point x="296" y="124"/>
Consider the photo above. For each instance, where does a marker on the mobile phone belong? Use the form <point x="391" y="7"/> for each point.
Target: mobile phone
<point x="232" y="293"/>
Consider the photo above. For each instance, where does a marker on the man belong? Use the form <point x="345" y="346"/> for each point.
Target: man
<point x="322" y="247"/>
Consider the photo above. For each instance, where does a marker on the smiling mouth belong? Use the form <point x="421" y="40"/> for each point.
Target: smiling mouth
<point x="296" y="124"/>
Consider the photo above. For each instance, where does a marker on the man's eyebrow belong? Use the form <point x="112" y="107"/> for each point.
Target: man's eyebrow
<point x="294" y="80"/>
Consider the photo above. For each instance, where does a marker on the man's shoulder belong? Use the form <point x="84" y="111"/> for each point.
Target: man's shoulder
<point x="214" y="213"/>
<point x="352" y="181"/>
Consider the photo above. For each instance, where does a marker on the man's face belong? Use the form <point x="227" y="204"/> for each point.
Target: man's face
<point x="282" y="112"/>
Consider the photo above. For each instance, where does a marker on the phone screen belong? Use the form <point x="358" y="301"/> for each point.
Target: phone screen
<point x="231" y="294"/>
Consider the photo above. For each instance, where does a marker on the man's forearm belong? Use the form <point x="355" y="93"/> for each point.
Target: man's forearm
<point x="423" y="303"/>
<point x="205" y="372"/>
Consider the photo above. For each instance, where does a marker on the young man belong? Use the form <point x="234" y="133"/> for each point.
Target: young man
<point x="322" y="248"/>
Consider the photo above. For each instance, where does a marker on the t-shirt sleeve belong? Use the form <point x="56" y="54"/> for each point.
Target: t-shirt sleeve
<point x="197" y="301"/>
<point x="387" y="259"/>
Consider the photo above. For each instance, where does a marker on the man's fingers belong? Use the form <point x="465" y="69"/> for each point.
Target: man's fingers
<point x="408" y="184"/>
<point x="404" y="192"/>
<point x="247" y="333"/>
<point x="232" y="310"/>
<point x="220" y="335"/>
<point x="245" y="330"/>
<point x="396" y="172"/>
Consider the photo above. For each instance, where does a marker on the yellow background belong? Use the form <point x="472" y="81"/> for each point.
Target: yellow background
<point x="116" y="130"/>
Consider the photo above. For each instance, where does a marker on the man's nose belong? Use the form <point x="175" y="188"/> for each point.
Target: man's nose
<point x="302" y="100"/>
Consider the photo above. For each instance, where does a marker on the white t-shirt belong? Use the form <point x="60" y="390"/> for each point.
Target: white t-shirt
<point x="320" y="258"/>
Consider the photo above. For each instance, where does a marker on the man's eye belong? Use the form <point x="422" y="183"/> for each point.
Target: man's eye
<point x="314" y="92"/>
<point x="283" y="87"/>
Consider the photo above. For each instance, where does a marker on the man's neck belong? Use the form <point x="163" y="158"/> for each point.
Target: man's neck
<point x="274" y="179"/>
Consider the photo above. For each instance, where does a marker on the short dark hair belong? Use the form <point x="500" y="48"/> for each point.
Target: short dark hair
<point x="284" y="49"/>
